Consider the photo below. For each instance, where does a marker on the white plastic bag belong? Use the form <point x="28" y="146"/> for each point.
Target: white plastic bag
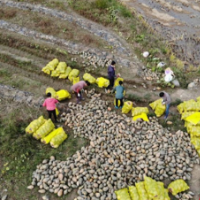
<point x="168" y="78"/>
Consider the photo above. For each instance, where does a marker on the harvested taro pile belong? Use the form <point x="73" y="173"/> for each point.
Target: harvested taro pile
<point x="120" y="153"/>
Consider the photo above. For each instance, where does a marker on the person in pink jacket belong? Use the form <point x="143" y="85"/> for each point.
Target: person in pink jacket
<point x="78" y="87"/>
<point x="50" y="104"/>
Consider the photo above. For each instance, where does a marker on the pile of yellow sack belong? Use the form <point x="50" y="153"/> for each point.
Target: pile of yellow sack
<point x="59" y="95"/>
<point x="61" y="70"/>
<point x="150" y="189"/>
<point x="137" y="112"/>
<point x="158" y="107"/>
<point x="44" y="130"/>
<point x="190" y="113"/>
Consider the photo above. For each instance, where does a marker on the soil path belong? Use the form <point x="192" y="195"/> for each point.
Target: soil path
<point x="176" y="21"/>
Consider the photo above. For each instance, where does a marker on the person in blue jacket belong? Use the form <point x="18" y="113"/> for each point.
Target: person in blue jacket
<point x="119" y="95"/>
<point x="111" y="76"/>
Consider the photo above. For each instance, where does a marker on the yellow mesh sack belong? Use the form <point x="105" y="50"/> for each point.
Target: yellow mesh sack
<point x="48" y="138"/>
<point x="68" y="70"/>
<point x="166" y="195"/>
<point x="73" y="73"/>
<point x="75" y="80"/>
<point x="181" y="108"/>
<point x="178" y="186"/>
<point x="57" y="112"/>
<point x="62" y="66"/>
<point x="186" y="114"/>
<point x="34" y="125"/>
<point x="117" y="81"/>
<point x="58" y="139"/>
<point x="46" y="70"/>
<point x="194" y="118"/>
<point x="133" y="193"/>
<point x="198" y="98"/>
<point x="139" y="110"/>
<point x="55" y="73"/>
<point x="122" y="194"/>
<point x="52" y="91"/>
<point x="158" y="107"/>
<point x="187" y="106"/>
<point x="127" y="107"/>
<point x="53" y="64"/>
<point x="196" y="142"/>
<point x="63" y="94"/>
<point x="66" y="73"/>
<point x="141" y="191"/>
<point x="142" y="116"/>
<point x="194" y="130"/>
<point x="50" y="66"/>
<point x="155" y="103"/>
<point x="161" y="189"/>
<point x="88" y="77"/>
<point x="102" y="82"/>
<point x="160" y="110"/>
<point x="44" y="130"/>
<point x="198" y="151"/>
<point x="151" y="187"/>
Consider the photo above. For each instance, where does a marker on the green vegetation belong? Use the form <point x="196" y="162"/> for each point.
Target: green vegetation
<point x="21" y="153"/>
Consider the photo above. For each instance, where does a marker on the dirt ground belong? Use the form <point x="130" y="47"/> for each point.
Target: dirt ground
<point x="176" y="21"/>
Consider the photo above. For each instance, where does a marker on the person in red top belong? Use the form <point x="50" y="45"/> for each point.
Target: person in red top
<point x="50" y="104"/>
<point x="77" y="88"/>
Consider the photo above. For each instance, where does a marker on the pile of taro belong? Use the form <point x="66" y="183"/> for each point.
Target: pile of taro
<point x="120" y="153"/>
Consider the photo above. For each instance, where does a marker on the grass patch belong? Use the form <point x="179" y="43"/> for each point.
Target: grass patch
<point x="4" y="73"/>
<point x="21" y="153"/>
<point x="176" y="102"/>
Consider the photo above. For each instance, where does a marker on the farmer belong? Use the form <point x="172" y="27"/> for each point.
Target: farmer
<point x="166" y="100"/>
<point x="111" y="76"/>
<point x="78" y="88"/>
<point x="119" y="95"/>
<point x="50" y="104"/>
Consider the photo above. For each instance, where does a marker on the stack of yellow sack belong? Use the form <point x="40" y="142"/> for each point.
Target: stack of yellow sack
<point x="59" y="69"/>
<point x="151" y="189"/>
<point x="140" y="113"/>
<point x="55" y="138"/>
<point x="88" y="77"/>
<point x="50" y="66"/>
<point x="102" y="82"/>
<point x="34" y="125"/>
<point x="44" y="130"/>
<point x="189" y="111"/>
<point x="127" y="107"/>
<point x="158" y="107"/>
<point x="66" y="73"/>
<point x="59" y="95"/>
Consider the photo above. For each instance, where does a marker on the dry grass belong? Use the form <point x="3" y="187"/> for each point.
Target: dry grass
<point x="7" y="13"/>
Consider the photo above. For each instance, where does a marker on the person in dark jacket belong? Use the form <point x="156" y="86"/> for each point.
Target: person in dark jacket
<point x="119" y="95"/>
<point x="111" y="75"/>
